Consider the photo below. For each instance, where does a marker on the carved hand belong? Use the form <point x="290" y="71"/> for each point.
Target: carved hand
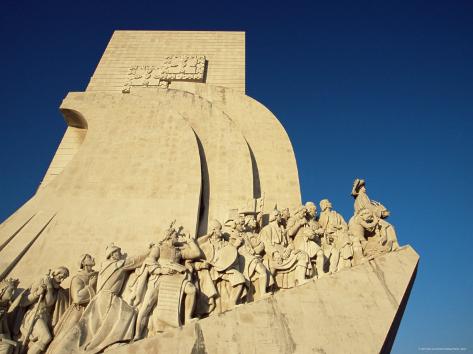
<point x="40" y="290"/>
<point x="278" y="258"/>
<point x="202" y="265"/>
<point x="93" y="279"/>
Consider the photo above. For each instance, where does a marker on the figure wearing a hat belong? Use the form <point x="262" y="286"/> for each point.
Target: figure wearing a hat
<point x="108" y="319"/>
<point x="45" y="303"/>
<point x="217" y="264"/>
<point x="81" y="291"/>
<point x="288" y="265"/>
<point x="363" y="203"/>
<point x="244" y="236"/>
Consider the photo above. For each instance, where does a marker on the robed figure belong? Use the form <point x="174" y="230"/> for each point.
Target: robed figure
<point x="108" y="319"/>
<point x="81" y="291"/>
<point x="287" y="264"/>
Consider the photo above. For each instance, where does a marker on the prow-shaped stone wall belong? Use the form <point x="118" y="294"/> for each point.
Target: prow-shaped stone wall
<point x="357" y="310"/>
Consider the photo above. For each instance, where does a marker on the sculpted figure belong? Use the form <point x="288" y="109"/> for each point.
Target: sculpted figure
<point x="168" y="285"/>
<point x="45" y="302"/>
<point x="7" y="290"/>
<point x="81" y="291"/>
<point x="108" y="319"/>
<point x="362" y="201"/>
<point x="250" y="250"/>
<point x="366" y="227"/>
<point x="218" y="264"/>
<point x="285" y="216"/>
<point x="307" y="235"/>
<point x="143" y="289"/>
<point x="288" y="264"/>
<point x="336" y="234"/>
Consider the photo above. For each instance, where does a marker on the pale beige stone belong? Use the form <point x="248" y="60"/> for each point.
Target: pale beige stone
<point x="276" y="177"/>
<point x="152" y="144"/>
<point x="218" y="268"/>
<point x="224" y="50"/>
<point x="129" y="179"/>
<point x="353" y="311"/>
<point x="289" y="265"/>
<point x="336" y="234"/>
<point x="44" y="303"/>
<point x="227" y="179"/>
<point x="69" y="146"/>
<point x="368" y="223"/>
<point x="8" y="288"/>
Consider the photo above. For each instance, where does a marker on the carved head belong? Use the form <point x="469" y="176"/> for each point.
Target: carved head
<point x="285" y="214"/>
<point x="215" y="228"/>
<point x="325" y="204"/>
<point x="358" y="186"/>
<point x="241" y="219"/>
<point x="113" y="252"/>
<point x="250" y="222"/>
<point x="7" y="289"/>
<point x="58" y="275"/>
<point x="311" y="209"/>
<point x="86" y="260"/>
<point x="275" y="216"/>
<point x="154" y="250"/>
<point x="231" y="224"/>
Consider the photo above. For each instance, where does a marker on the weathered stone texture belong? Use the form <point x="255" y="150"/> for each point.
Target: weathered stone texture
<point x="275" y="174"/>
<point x="69" y="146"/>
<point x="136" y="171"/>
<point x="348" y="312"/>
<point x="225" y="52"/>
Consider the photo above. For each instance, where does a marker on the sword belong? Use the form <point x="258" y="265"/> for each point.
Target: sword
<point x="24" y="345"/>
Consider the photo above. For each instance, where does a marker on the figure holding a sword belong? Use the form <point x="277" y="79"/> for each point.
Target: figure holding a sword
<point x="44" y="302"/>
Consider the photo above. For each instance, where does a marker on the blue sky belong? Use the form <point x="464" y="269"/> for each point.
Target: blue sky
<point x="379" y="90"/>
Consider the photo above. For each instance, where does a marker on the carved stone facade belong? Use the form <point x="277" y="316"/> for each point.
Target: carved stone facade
<point x="173" y="191"/>
<point x="182" y="278"/>
<point x="175" y="68"/>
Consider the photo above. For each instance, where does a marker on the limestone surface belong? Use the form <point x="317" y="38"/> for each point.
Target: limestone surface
<point x="186" y="192"/>
<point x="353" y="311"/>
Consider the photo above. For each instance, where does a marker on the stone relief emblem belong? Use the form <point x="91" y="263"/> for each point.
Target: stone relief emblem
<point x="183" y="67"/>
<point x="175" y="68"/>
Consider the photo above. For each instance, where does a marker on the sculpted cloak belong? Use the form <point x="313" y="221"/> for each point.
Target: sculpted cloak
<point x="334" y="224"/>
<point x="50" y="309"/>
<point x="222" y="257"/>
<point x="108" y="319"/>
<point x="80" y="294"/>
<point x="275" y="243"/>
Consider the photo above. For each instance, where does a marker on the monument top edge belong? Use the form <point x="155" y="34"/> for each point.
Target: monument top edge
<point x="125" y="31"/>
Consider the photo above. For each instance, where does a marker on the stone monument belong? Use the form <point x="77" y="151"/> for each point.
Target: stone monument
<point x="186" y="192"/>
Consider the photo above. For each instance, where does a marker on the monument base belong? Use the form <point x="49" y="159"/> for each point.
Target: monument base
<point x="356" y="310"/>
